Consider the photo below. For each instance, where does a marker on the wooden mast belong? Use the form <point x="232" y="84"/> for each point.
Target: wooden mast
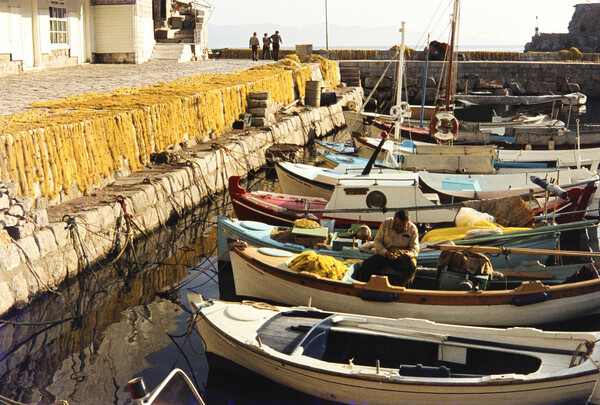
<point x="451" y="56"/>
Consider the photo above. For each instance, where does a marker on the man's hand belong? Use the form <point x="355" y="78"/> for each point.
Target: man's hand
<point x="390" y="256"/>
<point x="402" y="253"/>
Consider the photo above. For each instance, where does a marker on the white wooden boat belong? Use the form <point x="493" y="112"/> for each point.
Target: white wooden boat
<point x="284" y="209"/>
<point x="263" y="273"/>
<point x="456" y="187"/>
<point x="312" y="181"/>
<point x="589" y="157"/>
<point x="369" y="360"/>
<point x="519" y="267"/>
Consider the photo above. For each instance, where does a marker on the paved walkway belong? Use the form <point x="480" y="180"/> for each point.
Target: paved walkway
<point x="16" y="92"/>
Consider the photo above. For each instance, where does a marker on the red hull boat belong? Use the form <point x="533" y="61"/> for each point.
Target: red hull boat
<point x="283" y="209"/>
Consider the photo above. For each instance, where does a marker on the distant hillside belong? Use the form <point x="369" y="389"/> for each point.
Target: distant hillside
<point x="236" y="36"/>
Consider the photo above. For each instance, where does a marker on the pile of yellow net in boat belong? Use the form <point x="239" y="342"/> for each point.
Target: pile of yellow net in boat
<point x="322" y="265"/>
<point x="306" y="223"/>
<point x="468" y="225"/>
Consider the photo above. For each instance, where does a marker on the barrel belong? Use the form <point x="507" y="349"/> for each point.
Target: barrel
<point x="312" y="95"/>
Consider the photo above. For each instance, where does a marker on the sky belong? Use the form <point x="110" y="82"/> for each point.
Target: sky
<point x="482" y="22"/>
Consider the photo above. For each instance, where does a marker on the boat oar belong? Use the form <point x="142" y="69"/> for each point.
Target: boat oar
<point x="507" y="250"/>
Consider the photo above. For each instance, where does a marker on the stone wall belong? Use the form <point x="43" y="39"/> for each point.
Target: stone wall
<point x="86" y="230"/>
<point x="8" y="66"/>
<point x="584" y="33"/>
<point x="534" y="77"/>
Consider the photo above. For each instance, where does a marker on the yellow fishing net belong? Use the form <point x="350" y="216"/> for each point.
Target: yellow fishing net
<point x="322" y="265"/>
<point x="459" y="232"/>
<point x="79" y="140"/>
<point x="306" y="223"/>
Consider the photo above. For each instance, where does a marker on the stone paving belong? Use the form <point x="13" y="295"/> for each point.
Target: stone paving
<point x="16" y="92"/>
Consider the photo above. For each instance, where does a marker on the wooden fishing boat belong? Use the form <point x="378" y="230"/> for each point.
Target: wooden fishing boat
<point x="360" y="359"/>
<point x="503" y="158"/>
<point x="515" y="161"/>
<point x="428" y="188"/>
<point x="271" y="208"/>
<point x="343" y="148"/>
<point x="473" y="186"/>
<point x="284" y="209"/>
<point x="264" y="273"/>
<point x="342" y="245"/>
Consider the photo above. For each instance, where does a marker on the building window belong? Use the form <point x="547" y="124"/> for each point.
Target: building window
<point x="58" y="23"/>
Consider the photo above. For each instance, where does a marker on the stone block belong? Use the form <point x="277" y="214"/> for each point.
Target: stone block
<point x="16" y="210"/>
<point x="25" y="201"/>
<point x="538" y="87"/>
<point x="57" y="271"/>
<point x="22" y="230"/>
<point x="13" y="188"/>
<point x="252" y="103"/>
<point x="5" y="238"/>
<point x="139" y="202"/>
<point x="40" y="218"/>
<point x="257" y="112"/>
<point x="62" y="235"/>
<point x="6" y="298"/>
<point x="517" y="88"/>
<point x="8" y="220"/>
<point x="30" y="248"/>
<point x="9" y="257"/>
<point x="45" y="241"/>
<point x="4" y="201"/>
<point x="259" y="95"/>
<point x="19" y="288"/>
<point x="71" y="262"/>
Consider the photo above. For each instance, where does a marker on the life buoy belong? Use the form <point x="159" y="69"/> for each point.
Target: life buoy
<point x="401" y="110"/>
<point x="444" y="126"/>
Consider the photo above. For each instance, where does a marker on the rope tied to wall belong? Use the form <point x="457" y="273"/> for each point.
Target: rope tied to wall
<point x="72" y="226"/>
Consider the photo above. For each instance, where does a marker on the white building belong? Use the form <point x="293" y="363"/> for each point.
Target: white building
<point x="41" y="34"/>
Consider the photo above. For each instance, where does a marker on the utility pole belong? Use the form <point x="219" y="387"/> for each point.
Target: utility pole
<point x="326" y="29"/>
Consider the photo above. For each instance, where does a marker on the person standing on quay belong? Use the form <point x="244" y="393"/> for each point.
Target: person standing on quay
<point x="276" y="40"/>
<point x="266" y="53"/>
<point x="254" y="43"/>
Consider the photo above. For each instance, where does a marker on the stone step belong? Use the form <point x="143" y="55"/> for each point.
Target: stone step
<point x="179" y="52"/>
<point x="350" y="76"/>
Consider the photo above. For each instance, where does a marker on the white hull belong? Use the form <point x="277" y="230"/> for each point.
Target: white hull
<point x="223" y="333"/>
<point x="400" y="189"/>
<point x="251" y="281"/>
<point x="564" y="157"/>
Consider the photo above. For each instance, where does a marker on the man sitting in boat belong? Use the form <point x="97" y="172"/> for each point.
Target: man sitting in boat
<point x="396" y="248"/>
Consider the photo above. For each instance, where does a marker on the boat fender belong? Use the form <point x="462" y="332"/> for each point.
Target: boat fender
<point x="137" y="389"/>
<point x="444" y="126"/>
<point x="551" y="188"/>
<point x="530" y="299"/>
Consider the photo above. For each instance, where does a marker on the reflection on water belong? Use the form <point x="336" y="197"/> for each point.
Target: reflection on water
<point x="83" y="344"/>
